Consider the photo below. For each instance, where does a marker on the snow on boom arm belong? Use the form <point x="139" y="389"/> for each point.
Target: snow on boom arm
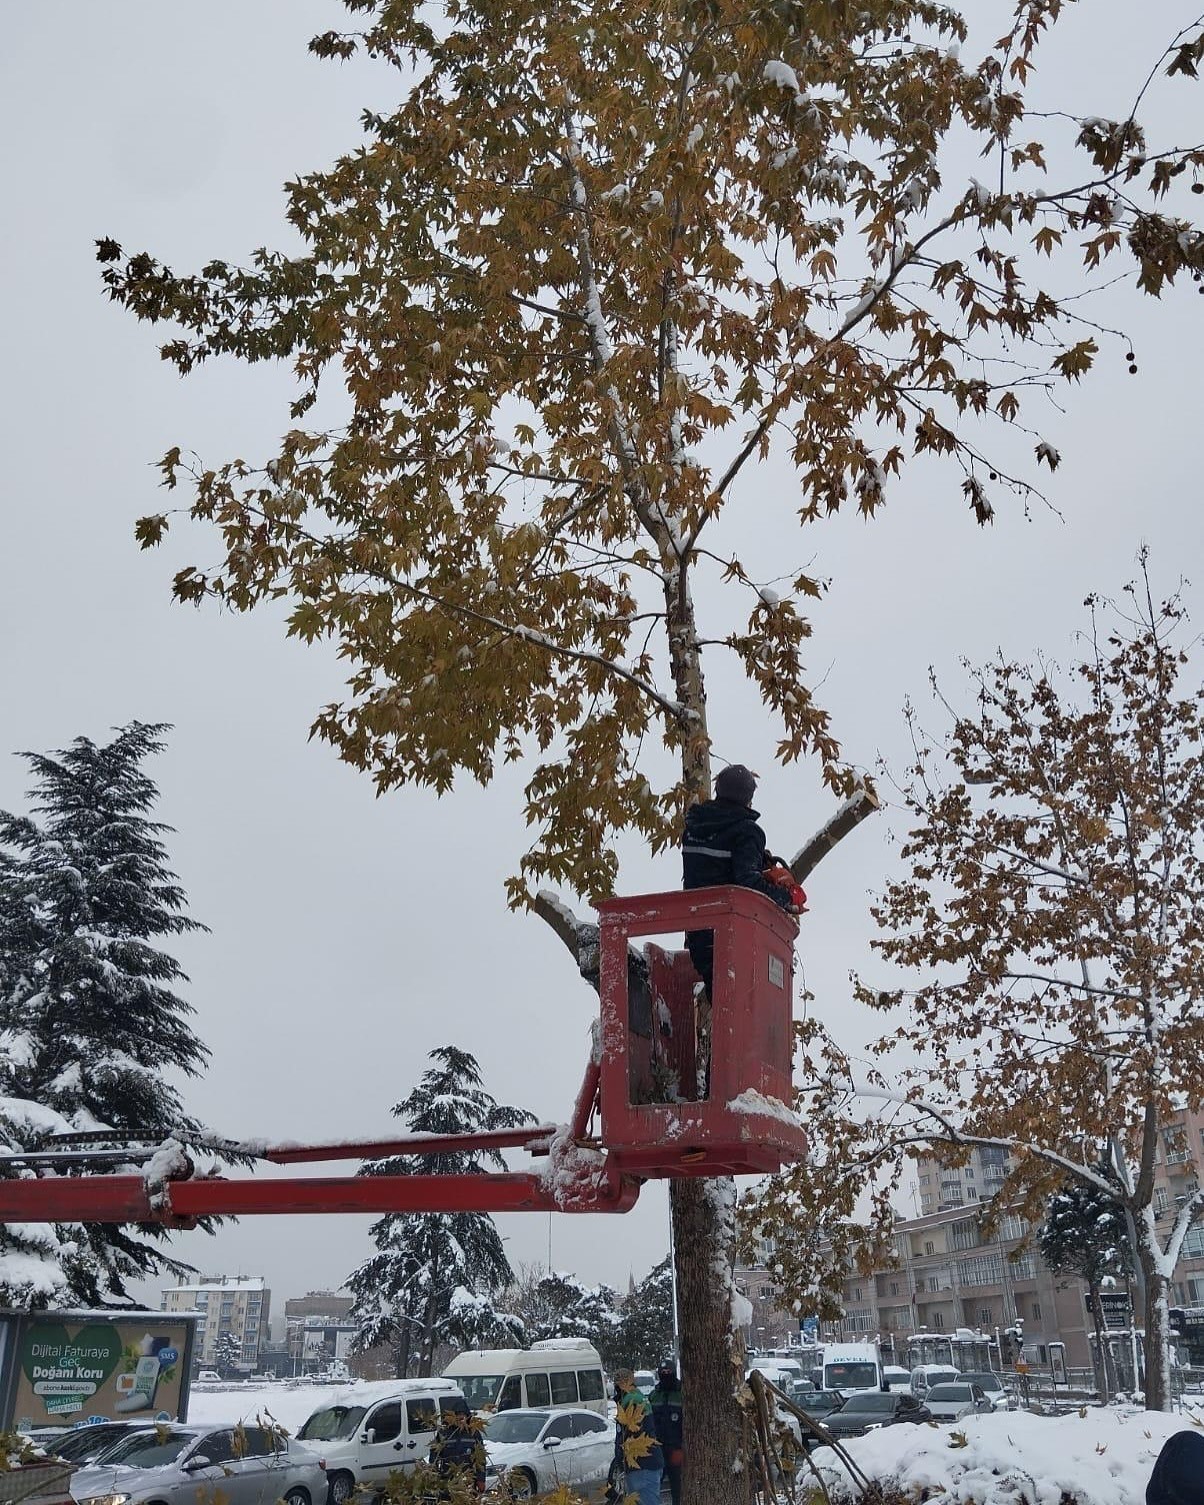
<point x="641" y="1085"/>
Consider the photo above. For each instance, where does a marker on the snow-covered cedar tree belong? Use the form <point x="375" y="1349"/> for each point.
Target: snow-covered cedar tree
<point x="1084" y="1233"/>
<point x="227" y="1352"/>
<point x="644" y="1334"/>
<point x="569" y="1308"/>
<point x="597" y="262"/>
<point x="91" y="1029"/>
<point x="1050" y="935"/>
<point x="412" y="1293"/>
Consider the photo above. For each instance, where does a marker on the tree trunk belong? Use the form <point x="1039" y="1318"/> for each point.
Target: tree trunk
<point x="1156" y="1350"/>
<point x="703" y="1237"/>
<point x="704" y="1212"/>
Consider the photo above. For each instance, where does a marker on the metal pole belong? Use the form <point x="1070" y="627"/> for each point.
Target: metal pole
<point x="673" y="1287"/>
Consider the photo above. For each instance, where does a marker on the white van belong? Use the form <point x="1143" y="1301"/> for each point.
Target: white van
<point x="852" y="1367"/>
<point x="924" y="1376"/>
<point x="557" y="1372"/>
<point x="366" y="1431"/>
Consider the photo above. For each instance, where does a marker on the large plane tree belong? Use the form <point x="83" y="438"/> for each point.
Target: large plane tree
<point x="546" y="322"/>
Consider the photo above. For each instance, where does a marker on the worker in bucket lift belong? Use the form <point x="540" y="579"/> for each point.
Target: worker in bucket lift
<point x="722" y="843"/>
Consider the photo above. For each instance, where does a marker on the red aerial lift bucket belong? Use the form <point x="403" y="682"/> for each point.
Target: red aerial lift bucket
<point x="655" y="1111"/>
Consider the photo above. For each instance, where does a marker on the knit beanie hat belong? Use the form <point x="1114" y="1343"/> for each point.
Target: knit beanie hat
<point x="735" y="782"/>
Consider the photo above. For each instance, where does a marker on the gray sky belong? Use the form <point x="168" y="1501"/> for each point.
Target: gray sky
<point x="351" y="935"/>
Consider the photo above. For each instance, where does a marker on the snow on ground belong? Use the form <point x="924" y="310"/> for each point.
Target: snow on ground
<point x="1102" y="1456"/>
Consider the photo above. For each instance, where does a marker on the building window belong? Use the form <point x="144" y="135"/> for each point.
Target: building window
<point x="894" y="1287"/>
<point x="1036" y="1311"/>
<point x="938" y="1322"/>
<point x="964" y="1234"/>
<point x="985" y="1319"/>
<point x="1193" y="1244"/>
<point x="1162" y="1200"/>
<point x="971" y="1194"/>
<point x="929" y="1247"/>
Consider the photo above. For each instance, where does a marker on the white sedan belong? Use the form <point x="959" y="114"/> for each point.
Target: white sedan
<point x="533" y="1451"/>
<point x="953" y="1402"/>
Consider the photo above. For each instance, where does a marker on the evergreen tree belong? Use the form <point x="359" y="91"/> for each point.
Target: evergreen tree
<point x="1084" y="1234"/>
<point x="644" y="1334"/>
<point x="568" y="1308"/>
<point x="90" y="1029"/>
<point x="411" y="1294"/>
<point x="227" y="1351"/>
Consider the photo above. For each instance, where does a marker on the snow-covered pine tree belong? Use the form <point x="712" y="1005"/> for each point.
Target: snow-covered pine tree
<point x="644" y="1334"/>
<point x="90" y="1029"/>
<point x="227" y="1351"/>
<point x="1085" y="1234"/>
<point x="559" y="1305"/>
<point x="411" y="1294"/>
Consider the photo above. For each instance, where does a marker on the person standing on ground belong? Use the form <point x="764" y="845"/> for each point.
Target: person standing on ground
<point x="666" y="1402"/>
<point x="722" y="843"/>
<point x="637" y="1440"/>
<point x="1178" y="1477"/>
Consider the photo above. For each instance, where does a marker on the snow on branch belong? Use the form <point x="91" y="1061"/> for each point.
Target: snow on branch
<point x="862" y="802"/>
<point x="950" y="1133"/>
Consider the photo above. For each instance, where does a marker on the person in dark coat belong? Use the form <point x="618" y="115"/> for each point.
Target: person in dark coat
<point x="722" y="843"/>
<point x="1178" y="1477"/>
<point x="666" y="1402"/>
<point x="457" y="1451"/>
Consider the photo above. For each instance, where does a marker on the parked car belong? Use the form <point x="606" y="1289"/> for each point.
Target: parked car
<point x="178" y="1464"/>
<point x="866" y="1410"/>
<point x="366" y="1431"/>
<point x="645" y="1380"/>
<point x="209" y="1377"/>
<point x="895" y="1377"/>
<point x="952" y="1402"/>
<point x="533" y="1451"/>
<point x="993" y="1387"/>
<point x="84" y="1445"/>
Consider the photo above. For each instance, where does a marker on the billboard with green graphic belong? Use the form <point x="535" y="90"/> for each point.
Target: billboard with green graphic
<point x="67" y="1368"/>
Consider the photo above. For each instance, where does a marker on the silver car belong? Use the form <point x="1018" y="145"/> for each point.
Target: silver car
<point x="953" y="1402"/>
<point x="179" y="1465"/>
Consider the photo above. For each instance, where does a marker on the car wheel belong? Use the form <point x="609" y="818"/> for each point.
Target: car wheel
<point x="297" y="1496"/>
<point x="522" y="1484"/>
<point x="340" y="1489"/>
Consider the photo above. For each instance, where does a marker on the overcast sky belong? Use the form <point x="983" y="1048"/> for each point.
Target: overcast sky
<point x="350" y="935"/>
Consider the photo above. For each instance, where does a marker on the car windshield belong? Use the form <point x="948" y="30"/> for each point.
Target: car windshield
<point x="949" y="1392"/>
<point x="515" y="1426"/>
<point x="332" y="1422"/>
<point x="479" y="1389"/>
<point x="86" y="1442"/>
<point x="872" y="1400"/>
<point x="148" y="1449"/>
<point x="985" y="1381"/>
<point x="854" y="1376"/>
<point x="821" y="1400"/>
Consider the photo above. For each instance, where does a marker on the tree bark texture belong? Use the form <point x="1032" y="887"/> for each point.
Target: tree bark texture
<point x="711" y="1361"/>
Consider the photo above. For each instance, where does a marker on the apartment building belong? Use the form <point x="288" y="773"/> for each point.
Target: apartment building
<point x="316" y="1328"/>
<point x="237" y="1305"/>
<point x="943" y="1187"/>
<point x="950" y="1276"/>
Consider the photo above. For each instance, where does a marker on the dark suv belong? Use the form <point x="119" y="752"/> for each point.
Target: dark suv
<point x="866" y="1409"/>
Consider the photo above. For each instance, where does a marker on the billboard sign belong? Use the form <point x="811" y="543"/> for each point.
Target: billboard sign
<point x="119" y="1369"/>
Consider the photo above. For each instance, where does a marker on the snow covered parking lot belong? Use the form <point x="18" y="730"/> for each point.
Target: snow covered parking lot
<point x="1103" y="1457"/>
